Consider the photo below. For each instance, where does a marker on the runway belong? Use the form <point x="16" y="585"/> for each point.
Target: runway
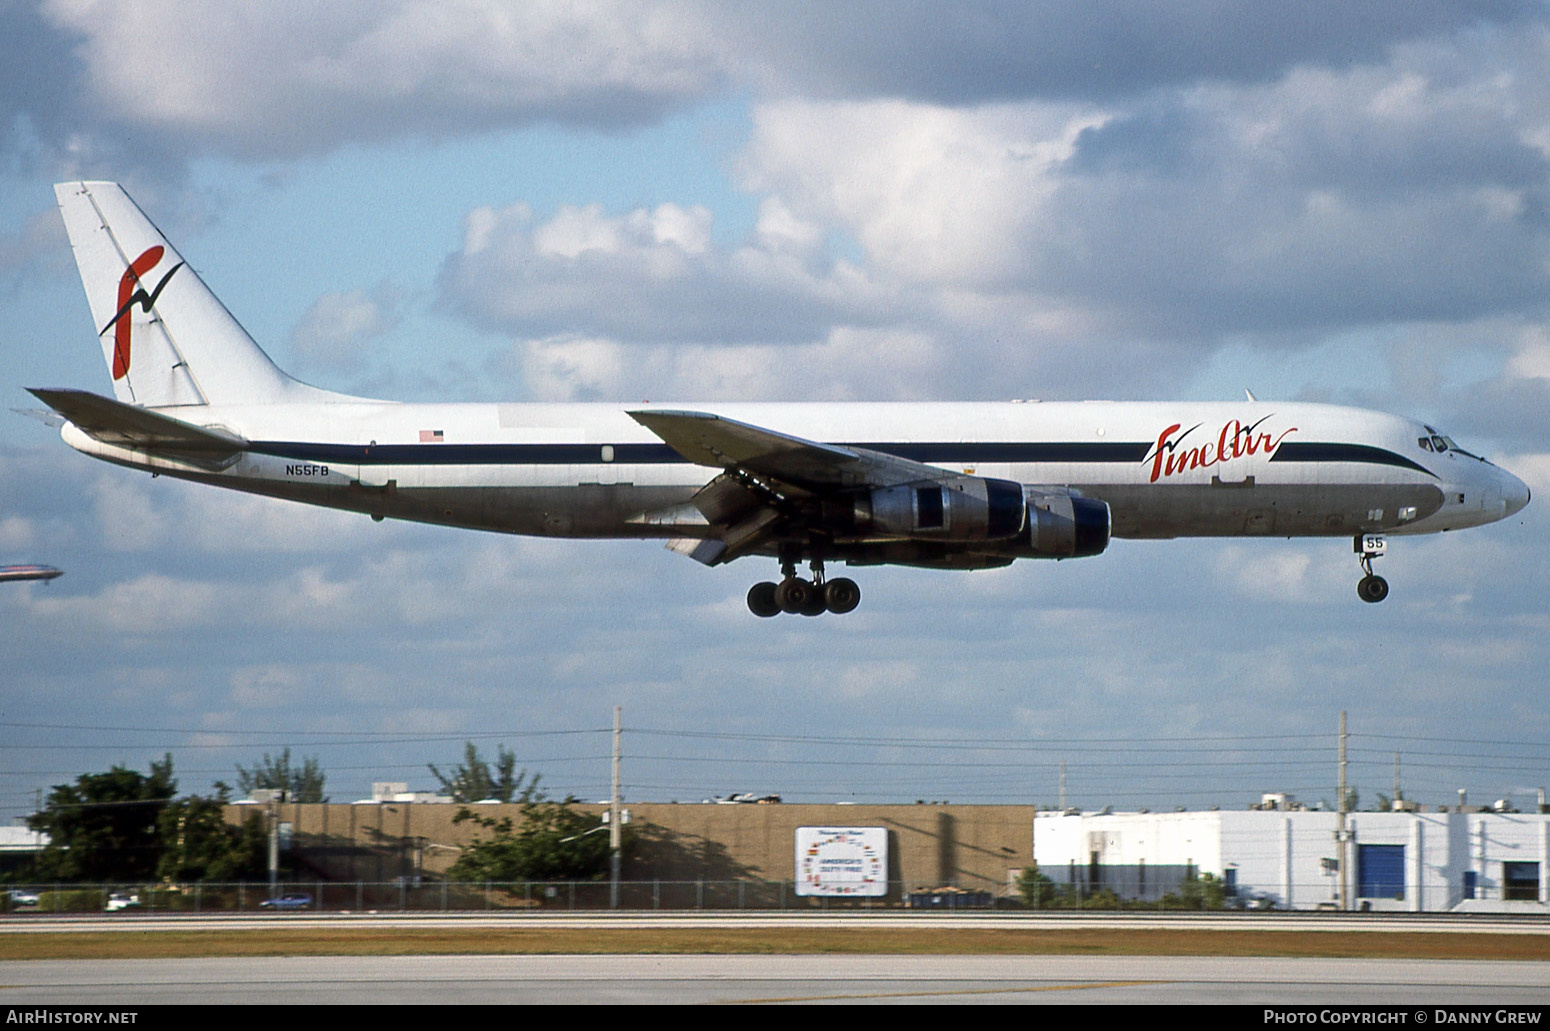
<point x="902" y="976"/>
<point x="892" y="979"/>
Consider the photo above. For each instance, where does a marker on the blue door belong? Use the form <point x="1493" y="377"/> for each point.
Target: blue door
<point x="1380" y="871"/>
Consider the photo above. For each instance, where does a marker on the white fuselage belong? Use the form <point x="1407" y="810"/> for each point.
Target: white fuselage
<point x="589" y="470"/>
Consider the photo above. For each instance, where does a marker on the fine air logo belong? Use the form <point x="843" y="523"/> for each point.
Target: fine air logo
<point x="131" y="291"/>
<point x="1235" y="441"/>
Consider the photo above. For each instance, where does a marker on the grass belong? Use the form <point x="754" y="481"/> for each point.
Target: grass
<point x="365" y="941"/>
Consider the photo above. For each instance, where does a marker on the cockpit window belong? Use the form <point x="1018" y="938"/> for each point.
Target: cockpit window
<point x="1441" y="444"/>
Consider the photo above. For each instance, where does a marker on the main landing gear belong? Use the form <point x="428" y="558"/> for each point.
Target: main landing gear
<point x="1370" y="588"/>
<point x="805" y="597"/>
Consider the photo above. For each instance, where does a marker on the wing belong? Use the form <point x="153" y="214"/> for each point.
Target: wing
<point x="122" y="425"/>
<point x="719" y="442"/>
<point x="774" y="484"/>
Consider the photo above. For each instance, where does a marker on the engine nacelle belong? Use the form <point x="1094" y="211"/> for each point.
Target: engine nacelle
<point x="955" y="508"/>
<point x="1062" y="526"/>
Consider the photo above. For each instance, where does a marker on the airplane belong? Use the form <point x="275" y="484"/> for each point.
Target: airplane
<point x="29" y="573"/>
<point x="936" y="485"/>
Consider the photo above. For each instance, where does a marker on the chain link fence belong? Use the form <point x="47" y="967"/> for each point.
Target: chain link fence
<point x="482" y="897"/>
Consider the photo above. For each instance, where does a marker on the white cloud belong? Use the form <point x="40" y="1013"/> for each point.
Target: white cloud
<point x="1281" y="573"/>
<point x="649" y="275"/>
<point x="574" y="231"/>
<point x="127" y="516"/>
<point x="334" y="333"/>
<point x="1532" y="360"/>
<point x="780" y="229"/>
<point x="268" y="687"/>
<point x="148" y="604"/>
<point x="1532" y="469"/>
<point x="566" y="368"/>
<point x="944" y="196"/>
<point x="280" y="77"/>
<point x="848" y="364"/>
<point x="224" y="522"/>
<point x="16" y="533"/>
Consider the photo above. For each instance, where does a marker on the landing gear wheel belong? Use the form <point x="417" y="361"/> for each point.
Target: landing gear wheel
<point x="761" y="600"/>
<point x="841" y="596"/>
<point x="1372" y="589"/>
<point x="815" y="605"/>
<point x="1368" y="546"/>
<point x="794" y="595"/>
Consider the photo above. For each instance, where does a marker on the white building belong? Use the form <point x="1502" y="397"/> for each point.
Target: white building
<point x="1484" y="861"/>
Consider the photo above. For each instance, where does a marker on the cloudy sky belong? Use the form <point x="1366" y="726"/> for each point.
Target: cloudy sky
<point x="478" y="200"/>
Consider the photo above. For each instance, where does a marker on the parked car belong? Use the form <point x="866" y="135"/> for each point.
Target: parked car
<point x="293" y="900"/>
<point x="122" y="900"/>
<point x="1254" y="901"/>
<point x="19" y="897"/>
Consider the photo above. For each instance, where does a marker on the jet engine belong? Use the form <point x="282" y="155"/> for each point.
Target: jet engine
<point x="958" y="508"/>
<point x="1062" y="526"/>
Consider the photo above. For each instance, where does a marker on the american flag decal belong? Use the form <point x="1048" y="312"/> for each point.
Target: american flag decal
<point x="431" y="437"/>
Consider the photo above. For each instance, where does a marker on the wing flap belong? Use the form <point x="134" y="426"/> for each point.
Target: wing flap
<point x="723" y="500"/>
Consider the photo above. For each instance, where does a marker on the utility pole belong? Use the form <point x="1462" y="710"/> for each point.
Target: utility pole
<point x="274" y="840"/>
<point x="615" y="827"/>
<point x="1340" y="831"/>
<point x="1062" y="785"/>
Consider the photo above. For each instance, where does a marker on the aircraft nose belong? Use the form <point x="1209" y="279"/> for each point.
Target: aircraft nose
<point x="1514" y="492"/>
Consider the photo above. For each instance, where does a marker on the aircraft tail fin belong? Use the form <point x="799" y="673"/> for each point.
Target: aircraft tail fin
<point x="167" y="339"/>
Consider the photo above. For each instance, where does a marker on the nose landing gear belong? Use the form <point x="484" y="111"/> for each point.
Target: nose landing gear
<point x="1371" y="587"/>
<point x="805" y="597"/>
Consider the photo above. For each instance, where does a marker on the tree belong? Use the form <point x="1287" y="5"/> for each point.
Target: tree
<point x="104" y="827"/>
<point x="1202" y="891"/>
<point x="473" y="781"/>
<point x="302" y="783"/>
<point x="1037" y="891"/>
<point x="554" y="842"/>
<point x="199" y="845"/>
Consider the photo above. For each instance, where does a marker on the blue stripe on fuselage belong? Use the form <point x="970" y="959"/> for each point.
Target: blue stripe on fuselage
<point x="956" y="453"/>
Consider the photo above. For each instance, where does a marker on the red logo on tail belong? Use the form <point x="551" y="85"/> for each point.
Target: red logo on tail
<point x="131" y="292"/>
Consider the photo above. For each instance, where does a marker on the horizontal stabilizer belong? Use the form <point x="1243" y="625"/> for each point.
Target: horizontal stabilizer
<point x="113" y="422"/>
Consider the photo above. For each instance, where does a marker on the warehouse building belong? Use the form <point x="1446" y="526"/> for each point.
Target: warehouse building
<point x="1283" y="857"/>
<point x="1398" y="861"/>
